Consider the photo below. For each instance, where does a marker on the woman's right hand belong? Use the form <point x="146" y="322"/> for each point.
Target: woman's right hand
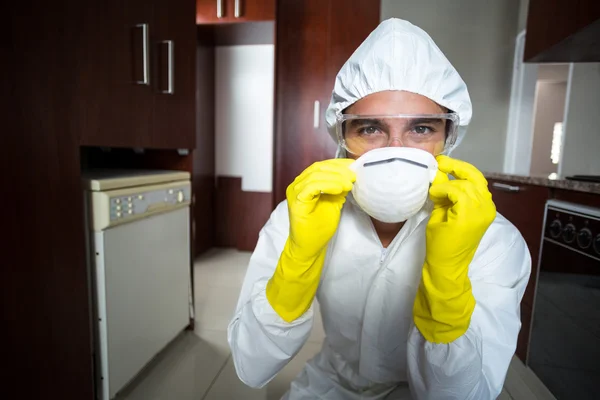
<point x="315" y="200"/>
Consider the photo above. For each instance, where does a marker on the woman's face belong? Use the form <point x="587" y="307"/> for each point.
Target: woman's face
<point x="401" y="102"/>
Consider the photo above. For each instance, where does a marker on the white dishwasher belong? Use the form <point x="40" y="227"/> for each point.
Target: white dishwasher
<point x="138" y="231"/>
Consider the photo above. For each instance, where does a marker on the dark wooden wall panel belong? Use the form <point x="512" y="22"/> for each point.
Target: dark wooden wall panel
<point x="203" y="177"/>
<point x="228" y="205"/>
<point x="45" y="314"/>
<point x="314" y="39"/>
<point x="302" y="31"/>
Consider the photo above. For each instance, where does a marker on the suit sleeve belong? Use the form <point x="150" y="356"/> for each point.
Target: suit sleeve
<point x="261" y="342"/>
<point x="474" y="366"/>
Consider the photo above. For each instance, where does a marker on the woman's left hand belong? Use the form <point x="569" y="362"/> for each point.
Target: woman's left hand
<point x="463" y="211"/>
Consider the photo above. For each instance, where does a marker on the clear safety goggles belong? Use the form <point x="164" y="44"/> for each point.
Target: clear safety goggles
<point x="435" y="133"/>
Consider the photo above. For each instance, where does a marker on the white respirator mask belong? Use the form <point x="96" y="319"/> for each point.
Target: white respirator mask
<point x="392" y="183"/>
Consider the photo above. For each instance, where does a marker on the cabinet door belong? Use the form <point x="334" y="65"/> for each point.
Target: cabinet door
<point x="115" y="74"/>
<point x="252" y="10"/>
<point x="173" y="75"/>
<point x="524" y="206"/>
<point x="213" y="12"/>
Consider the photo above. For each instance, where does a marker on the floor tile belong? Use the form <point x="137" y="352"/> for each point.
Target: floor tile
<point x="221" y="268"/>
<point x="504" y="395"/>
<point x="215" y="306"/>
<point x="184" y="371"/>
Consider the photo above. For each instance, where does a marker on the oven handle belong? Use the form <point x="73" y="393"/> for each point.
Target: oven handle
<point x="506" y="188"/>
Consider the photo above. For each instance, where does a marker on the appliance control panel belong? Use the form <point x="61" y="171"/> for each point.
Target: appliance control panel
<point x="573" y="226"/>
<point x="116" y="207"/>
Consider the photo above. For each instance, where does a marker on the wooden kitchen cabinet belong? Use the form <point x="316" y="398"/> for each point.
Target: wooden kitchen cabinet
<point x="116" y="101"/>
<point x="174" y="41"/>
<point x="563" y="31"/>
<point x="234" y="11"/>
<point x="139" y="52"/>
<point x="524" y="206"/>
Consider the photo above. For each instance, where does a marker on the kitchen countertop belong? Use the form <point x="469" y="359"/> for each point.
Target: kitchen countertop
<point x="566" y="184"/>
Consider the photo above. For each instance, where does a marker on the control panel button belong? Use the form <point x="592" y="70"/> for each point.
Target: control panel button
<point x="180" y="197"/>
<point x="597" y="244"/>
<point x="569" y="233"/>
<point x="584" y="238"/>
<point x="555" y="229"/>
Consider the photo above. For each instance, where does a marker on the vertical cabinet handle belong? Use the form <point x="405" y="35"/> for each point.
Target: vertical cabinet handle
<point x="170" y="66"/>
<point x="145" y="55"/>
<point x="316" y="114"/>
<point x="237" y="12"/>
<point x="219" y="8"/>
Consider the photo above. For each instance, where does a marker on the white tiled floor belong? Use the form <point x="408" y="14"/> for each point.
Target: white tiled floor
<point x="198" y="365"/>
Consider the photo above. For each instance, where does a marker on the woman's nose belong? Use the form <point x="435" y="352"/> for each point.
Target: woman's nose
<point x="395" y="142"/>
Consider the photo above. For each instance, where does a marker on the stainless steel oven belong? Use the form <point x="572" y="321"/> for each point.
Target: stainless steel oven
<point x="564" y="349"/>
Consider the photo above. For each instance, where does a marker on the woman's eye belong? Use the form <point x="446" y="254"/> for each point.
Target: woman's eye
<point x="422" y="130"/>
<point x="369" y="130"/>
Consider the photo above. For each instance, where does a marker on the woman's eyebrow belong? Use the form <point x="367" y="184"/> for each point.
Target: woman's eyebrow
<point x="353" y="123"/>
<point x="434" y="121"/>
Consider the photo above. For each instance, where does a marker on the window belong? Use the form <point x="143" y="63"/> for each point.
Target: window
<point x="556" y="142"/>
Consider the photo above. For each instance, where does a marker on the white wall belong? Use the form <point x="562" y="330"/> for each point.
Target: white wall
<point x="581" y="151"/>
<point x="549" y="109"/>
<point x="478" y="37"/>
<point x="244" y="94"/>
<point x="523" y="12"/>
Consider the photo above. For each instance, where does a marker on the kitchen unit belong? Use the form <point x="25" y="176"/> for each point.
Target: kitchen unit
<point x="564" y="345"/>
<point x="138" y="240"/>
<point x="522" y="200"/>
<point x="563" y="31"/>
<point x="137" y="74"/>
<point x="70" y="81"/>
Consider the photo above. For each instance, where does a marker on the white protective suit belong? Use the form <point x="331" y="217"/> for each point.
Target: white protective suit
<point x="372" y="349"/>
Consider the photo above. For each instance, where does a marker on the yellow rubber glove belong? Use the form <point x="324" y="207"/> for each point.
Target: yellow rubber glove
<point x="463" y="211"/>
<point x="315" y="201"/>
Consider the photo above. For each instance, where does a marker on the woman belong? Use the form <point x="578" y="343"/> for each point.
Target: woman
<point x="418" y="279"/>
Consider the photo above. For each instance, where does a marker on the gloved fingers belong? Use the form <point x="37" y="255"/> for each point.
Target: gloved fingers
<point x="339" y="165"/>
<point x="459" y="193"/>
<point x="312" y="189"/>
<point x="462" y="170"/>
<point x="334" y="199"/>
<point x="324" y="176"/>
<point x="440" y="178"/>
